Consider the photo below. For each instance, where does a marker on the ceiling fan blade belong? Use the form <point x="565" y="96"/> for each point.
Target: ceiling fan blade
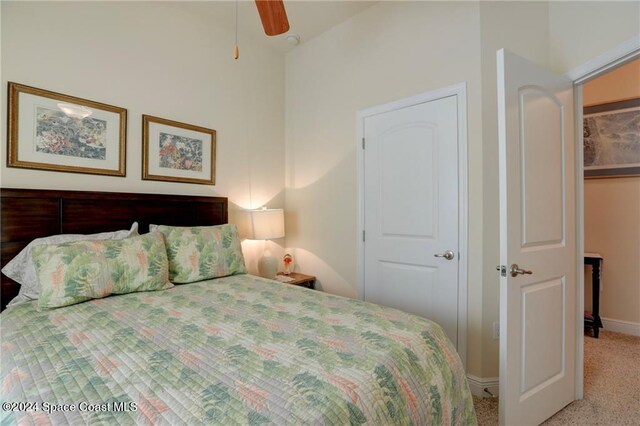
<point x="273" y="16"/>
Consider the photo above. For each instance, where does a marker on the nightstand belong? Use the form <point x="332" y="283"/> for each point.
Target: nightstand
<point x="308" y="281"/>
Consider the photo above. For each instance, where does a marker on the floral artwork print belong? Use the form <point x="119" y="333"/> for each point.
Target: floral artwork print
<point x="58" y="134"/>
<point x="180" y="152"/>
<point x="177" y="152"/>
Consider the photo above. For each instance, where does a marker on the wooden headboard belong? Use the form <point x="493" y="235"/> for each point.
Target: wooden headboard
<point x="27" y="214"/>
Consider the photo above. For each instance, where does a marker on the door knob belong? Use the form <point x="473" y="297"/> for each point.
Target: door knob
<point x="515" y="271"/>
<point x="449" y="255"/>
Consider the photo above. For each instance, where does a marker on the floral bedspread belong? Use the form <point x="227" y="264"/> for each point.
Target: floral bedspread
<point x="235" y="350"/>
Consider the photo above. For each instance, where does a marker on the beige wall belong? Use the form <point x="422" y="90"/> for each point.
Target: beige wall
<point x="522" y="28"/>
<point x="152" y="59"/>
<point x="618" y="85"/>
<point x="612" y="228"/>
<point x="612" y="213"/>
<point x="387" y="52"/>
<point x="581" y="30"/>
<point x="395" y="50"/>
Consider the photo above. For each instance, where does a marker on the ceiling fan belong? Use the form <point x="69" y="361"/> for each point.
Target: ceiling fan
<point x="273" y="17"/>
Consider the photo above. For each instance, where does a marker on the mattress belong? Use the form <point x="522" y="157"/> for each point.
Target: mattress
<point x="234" y="350"/>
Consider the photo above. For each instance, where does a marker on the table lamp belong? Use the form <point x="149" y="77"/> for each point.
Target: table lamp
<point x="266" y="224"/>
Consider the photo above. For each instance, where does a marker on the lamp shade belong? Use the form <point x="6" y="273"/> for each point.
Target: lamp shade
<point x="266" y="224"/>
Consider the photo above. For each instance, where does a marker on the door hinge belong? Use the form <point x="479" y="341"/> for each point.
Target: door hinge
<point x="502" y="269"/>
<point x="364" y="238"/>
<point x="362" y="143"/>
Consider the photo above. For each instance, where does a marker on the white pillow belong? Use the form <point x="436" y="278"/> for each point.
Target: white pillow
<point x="22" y="270"/>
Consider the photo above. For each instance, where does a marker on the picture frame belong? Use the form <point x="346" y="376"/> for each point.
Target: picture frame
<point x="612" y="139"/>
<point x="177" y="152"/>
<point x="57" y="132"/>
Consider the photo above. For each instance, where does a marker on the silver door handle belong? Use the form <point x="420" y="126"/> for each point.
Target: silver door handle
<point x="515" y="271"/>
<point x="449" y="255"/>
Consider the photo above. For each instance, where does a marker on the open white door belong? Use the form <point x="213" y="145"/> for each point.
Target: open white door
<point x="537" y="241"/>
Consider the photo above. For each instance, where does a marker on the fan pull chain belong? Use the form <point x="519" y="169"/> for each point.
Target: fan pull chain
<point x="236" y="51"/>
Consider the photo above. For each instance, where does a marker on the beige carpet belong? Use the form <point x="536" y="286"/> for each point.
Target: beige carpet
<point x="611" y="386"/>
<point x="486" y="411"/>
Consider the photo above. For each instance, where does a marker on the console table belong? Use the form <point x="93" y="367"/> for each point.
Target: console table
<point x="592" y="319"/>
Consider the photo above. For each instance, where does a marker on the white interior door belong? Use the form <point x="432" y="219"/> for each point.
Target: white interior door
<point x="411" y="210"/>
<point x="537" y="233"/>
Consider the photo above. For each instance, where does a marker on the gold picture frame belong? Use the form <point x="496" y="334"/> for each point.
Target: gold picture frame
<point x="177" y="152"/>
<point x="52" y="131"/>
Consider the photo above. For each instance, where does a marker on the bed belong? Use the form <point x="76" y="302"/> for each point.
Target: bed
<point x="233" y="350"/>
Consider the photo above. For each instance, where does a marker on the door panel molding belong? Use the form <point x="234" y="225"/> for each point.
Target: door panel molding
<point x="460" y="91"/>
<point x="548" y="329"/>
<point x="389" y="149"/>
<point x="532" y="112"/>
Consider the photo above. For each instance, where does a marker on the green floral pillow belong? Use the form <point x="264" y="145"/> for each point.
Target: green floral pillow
<point x="77" y="271"/>
<point x="201" y="253"/>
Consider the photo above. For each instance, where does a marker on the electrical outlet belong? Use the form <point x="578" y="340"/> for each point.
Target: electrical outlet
<point x="496" y="331"/>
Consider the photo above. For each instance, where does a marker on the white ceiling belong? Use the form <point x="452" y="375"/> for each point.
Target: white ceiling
<point x="307" y="18"/>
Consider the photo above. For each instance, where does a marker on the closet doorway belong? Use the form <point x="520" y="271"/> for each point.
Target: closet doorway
<point x="611" y="109"/>
<point x="412" y="182"/>
<point x="606" y="366"/>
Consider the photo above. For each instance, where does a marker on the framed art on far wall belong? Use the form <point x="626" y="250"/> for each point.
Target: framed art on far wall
<point x="612" y="139"/>
<point x="52" y="131"/>
<point x="177" y="152"/>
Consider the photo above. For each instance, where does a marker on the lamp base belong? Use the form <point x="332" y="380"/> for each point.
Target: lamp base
<point x="268" y="267"/>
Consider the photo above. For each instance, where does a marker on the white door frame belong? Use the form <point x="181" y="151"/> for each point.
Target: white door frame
<point x="459" y="90"/>
<point x="625" y="52"/>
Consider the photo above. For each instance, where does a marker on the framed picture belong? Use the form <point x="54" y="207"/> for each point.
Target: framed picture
<point x="177" y="152"/>
<point x="612" y="139"/>
<point x="52" y="131"/>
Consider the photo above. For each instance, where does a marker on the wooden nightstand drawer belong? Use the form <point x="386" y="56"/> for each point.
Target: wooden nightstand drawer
<point x="308" y="281"/>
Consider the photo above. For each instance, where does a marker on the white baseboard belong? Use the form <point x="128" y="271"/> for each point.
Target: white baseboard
<point x="626" y="327"/>
<point x="478" y="384"/>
